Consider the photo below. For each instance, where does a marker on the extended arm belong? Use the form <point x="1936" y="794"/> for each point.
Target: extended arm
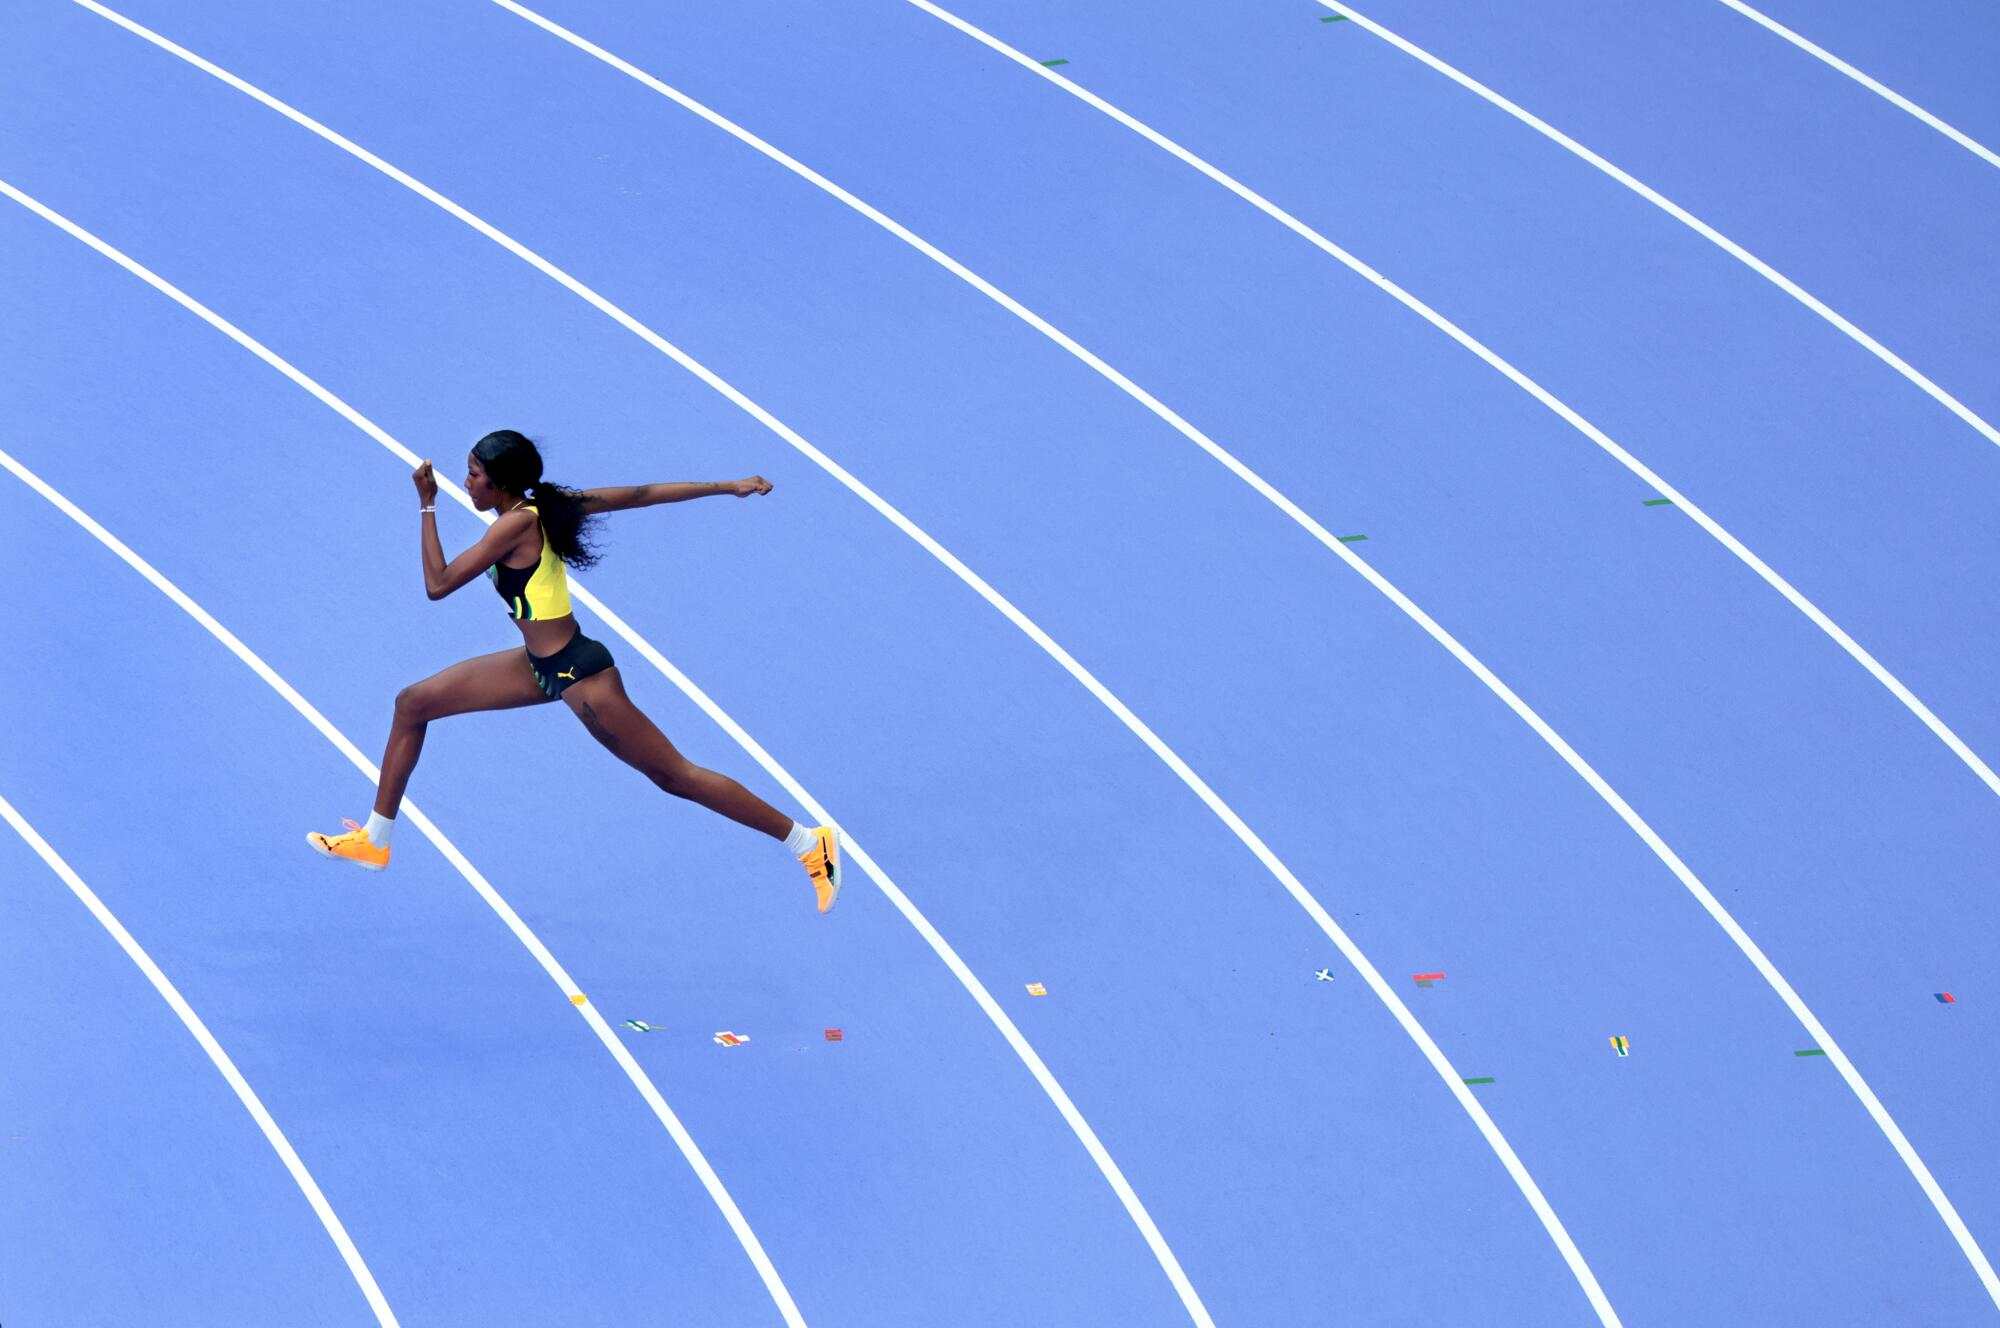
<point x="649" y="495"/>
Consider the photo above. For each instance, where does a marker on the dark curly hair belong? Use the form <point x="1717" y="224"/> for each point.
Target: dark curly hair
<point x="514" y="463"/>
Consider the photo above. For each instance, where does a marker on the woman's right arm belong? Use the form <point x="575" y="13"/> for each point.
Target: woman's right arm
<point x="441" y="577"/>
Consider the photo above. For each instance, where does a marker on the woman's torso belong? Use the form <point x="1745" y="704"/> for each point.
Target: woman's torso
<point x="536" y="592"/>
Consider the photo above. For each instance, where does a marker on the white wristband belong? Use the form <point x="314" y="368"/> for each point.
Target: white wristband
<point x="426" y="509"/>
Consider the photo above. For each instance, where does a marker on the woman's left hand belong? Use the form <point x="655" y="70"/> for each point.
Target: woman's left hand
<point x="755" y="484"/>
<point x="427" y="485"/>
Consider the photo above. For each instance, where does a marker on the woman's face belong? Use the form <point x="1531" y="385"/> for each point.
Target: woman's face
<point x="477" y="487"/>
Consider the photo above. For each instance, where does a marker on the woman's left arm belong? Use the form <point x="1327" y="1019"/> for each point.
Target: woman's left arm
<point x="649" y="495"/>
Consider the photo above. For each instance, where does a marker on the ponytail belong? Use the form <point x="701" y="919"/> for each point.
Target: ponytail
<point x="565" y="524"/>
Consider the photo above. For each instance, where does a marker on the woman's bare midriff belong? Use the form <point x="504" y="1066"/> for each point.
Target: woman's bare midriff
<point x="545" y="636"/>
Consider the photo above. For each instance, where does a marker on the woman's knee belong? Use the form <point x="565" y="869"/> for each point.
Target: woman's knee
<point x="413" y="705"/>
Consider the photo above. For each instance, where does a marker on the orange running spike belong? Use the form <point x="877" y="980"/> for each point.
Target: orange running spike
<point x="823" y="865"/>
<point x="354" y="846"/>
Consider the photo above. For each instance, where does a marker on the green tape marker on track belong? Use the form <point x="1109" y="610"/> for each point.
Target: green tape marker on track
<point x="1486" y="1080"/>
<point x="1334" y="18"/>
<point x="1053" y="63"/>
<point x="1659" y="502"/>
<point x="1351" y="539"/>
<point x="1814" y="1052"/>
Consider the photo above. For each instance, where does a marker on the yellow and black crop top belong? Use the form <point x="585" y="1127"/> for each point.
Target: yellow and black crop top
<point x="541" y="591"/>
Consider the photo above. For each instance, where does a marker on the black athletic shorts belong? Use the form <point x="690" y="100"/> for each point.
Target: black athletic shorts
<point x="573" y="663"/>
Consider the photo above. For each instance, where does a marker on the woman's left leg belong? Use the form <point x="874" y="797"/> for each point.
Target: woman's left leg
<point x="600" y="702"/>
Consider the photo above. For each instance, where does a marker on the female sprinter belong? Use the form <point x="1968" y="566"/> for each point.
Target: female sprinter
<point x="524" y="553"/>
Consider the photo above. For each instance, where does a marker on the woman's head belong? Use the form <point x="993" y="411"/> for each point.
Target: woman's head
<point x="505" y="467"/>
<point x="501" y="463"/>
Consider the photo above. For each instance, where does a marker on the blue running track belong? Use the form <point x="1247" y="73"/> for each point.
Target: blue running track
<point x="1116" y="724"/>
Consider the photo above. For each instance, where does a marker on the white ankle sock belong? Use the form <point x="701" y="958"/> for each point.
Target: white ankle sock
<point x="379" y="829"/>
<point x="801" y="841"/>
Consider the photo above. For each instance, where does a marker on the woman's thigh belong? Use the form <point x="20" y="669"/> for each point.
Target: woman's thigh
<point x="600" y="702"/>
<point x="500" y="681"/>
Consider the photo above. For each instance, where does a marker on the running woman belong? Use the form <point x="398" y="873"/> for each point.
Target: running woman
<point x="543" y="529"/>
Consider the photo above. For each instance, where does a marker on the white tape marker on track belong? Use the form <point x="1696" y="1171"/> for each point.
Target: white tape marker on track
<point x="192" y="1021"/>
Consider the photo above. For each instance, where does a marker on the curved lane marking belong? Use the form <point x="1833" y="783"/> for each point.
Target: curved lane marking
<point x="527" y="938"/>
<point x="959" y="969"/>
<point x="193" y="1023"/>
<point x="1859" y="1086"/>
<point x="1889" y="95"/>
<point x="1680" y="214"/>
<point x="1770" y="577"/>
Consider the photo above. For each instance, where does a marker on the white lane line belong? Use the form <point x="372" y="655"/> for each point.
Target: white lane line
<point x="1085" y="1135"/>
<point x="192" y="1021"/>
<point x="1453" y="1081"/>
<point x="1702" y="895"/>
<point x="1887" y="94"/>
<point x="1682" y="215"/>
<point x="528" y="939"/>
<point x="1833" y="630"/>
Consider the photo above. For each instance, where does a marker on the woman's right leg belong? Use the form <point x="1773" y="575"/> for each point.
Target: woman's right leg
<point x="500" y="681"/>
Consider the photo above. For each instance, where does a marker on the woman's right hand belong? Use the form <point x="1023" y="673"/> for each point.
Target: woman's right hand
<point x="755" y="484"/>
<point x="427" y="485"/>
